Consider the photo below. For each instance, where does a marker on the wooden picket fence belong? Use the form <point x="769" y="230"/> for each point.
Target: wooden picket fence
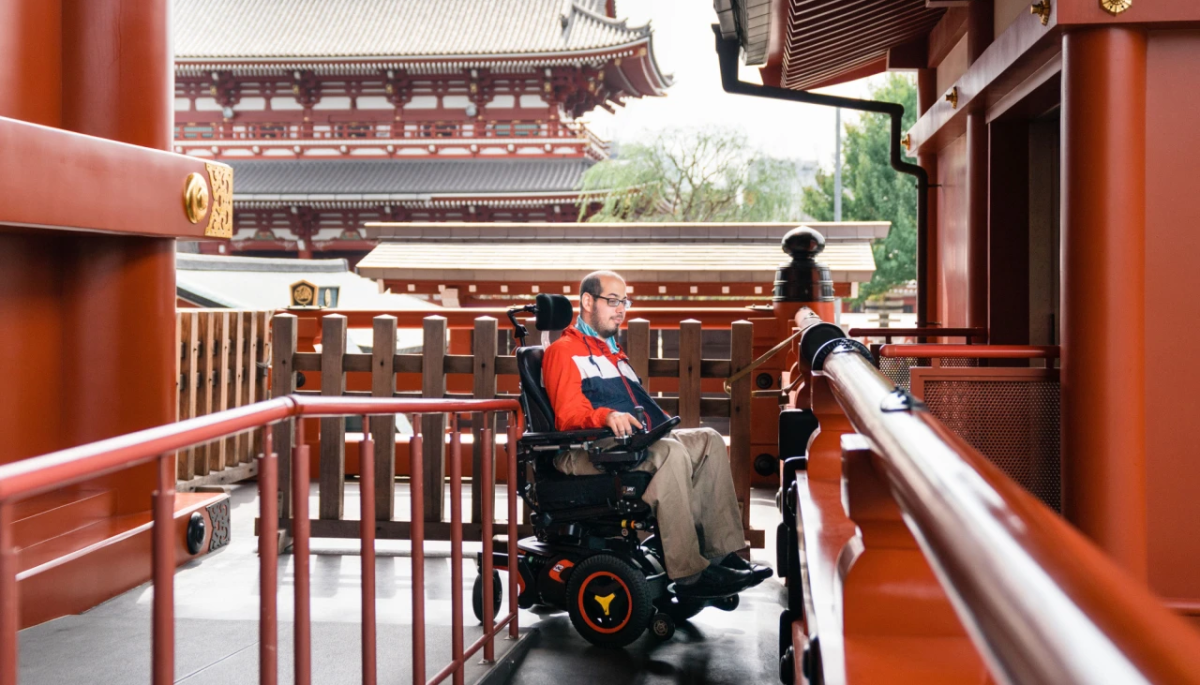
<point x="485" y="365"/>
<point x="224" y="356"/>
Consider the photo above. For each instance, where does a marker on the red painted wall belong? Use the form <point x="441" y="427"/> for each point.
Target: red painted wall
<point x="31" y="337"/>
<point x="1172" y="313"/>
<point x="86" y="345"/>
<point x="952" y="234"/>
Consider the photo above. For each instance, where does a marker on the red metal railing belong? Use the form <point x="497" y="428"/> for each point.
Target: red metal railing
<point x="30" y="477"/>
<point x="970" y="351"/>
<point x="888" y="333"/>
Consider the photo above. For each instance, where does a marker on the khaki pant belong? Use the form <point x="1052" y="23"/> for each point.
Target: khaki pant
<point x="691" y="494"/>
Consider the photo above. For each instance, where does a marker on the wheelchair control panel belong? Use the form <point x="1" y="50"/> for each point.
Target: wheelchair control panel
<point x="630" y="450"/>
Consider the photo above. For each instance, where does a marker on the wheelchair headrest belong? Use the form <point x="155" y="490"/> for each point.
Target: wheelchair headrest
<point x="554" y="312"/>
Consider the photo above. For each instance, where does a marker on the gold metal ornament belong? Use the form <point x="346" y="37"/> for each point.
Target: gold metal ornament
<point x="195" y="197"/>
<point x="304" y="294"/>
<point x="220" y="219"/>
<point x="1042" y="9"/>
<point x="952" y="97"/>
<point x="1115" y="7"/>
<point x="907" y="142"/>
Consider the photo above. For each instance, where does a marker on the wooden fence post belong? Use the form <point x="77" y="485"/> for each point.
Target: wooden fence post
<point x="383" y="428"/>
<point x="741" y="354"/>
<point x="485" y="388"/>
<point x="637" y="346"/>
<point x="249" y="378"/>
<point x="689" y="373"/>
<point x="284" y="331"/>
<point x="189" y="376"/>
<point x="219" y="384"/>
<point x="433" y="426"/>
<point x="206" y="384"/>
<point x="261" y="388"/>
<point x="233" y="382"/>
<point x="332" y="481"/>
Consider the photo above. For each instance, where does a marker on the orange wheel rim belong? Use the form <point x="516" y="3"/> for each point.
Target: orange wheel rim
<point x="583" y="610"/>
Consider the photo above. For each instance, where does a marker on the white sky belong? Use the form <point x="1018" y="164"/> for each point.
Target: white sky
<point x="683" y="44"/>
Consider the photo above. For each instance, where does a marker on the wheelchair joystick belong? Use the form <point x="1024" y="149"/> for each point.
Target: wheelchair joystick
<point x="639" y="413"/>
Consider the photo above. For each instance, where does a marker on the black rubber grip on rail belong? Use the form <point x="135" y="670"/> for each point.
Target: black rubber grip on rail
<point x="816" y="337"/>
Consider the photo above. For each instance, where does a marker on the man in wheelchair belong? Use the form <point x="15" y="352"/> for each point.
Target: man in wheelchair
<point x="591" y="385"/>
<point x="635" y="526"/>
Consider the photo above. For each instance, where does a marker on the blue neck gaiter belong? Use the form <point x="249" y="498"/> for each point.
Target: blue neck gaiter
<point x="588" y="330"/>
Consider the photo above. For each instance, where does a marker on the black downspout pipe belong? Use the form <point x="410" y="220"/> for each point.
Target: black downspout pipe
<point x="727" y="51"/>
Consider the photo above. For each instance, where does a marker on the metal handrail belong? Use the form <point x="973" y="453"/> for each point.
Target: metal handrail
<point x="917" y="332"/>
<point x="36" y="475"/>
<point x="1041" y="602"/>
<point x="29" y="477"/>
<point x="971" y="351"/>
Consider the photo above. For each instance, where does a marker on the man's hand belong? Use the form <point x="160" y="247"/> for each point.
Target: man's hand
<point x="621" y="424"/>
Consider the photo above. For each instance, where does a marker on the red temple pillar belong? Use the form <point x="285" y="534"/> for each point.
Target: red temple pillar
<point x="1103" y="290"/>
<point x="979" y="36"/>
<point x="118" y="83"/>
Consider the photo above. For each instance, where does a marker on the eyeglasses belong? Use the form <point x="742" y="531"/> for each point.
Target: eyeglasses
<point x="615" y="302"/>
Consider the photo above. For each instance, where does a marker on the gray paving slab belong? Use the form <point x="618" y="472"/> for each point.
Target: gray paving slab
<point x="216" y="610"/>
<point x="217" y="599"/>
<point x="713" y="648"/>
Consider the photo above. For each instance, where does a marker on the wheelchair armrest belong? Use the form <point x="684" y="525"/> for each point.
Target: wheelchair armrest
<point x="564" y="439"/>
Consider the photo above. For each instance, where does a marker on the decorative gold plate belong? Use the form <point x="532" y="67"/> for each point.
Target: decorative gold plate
<point x="220" y="219"/>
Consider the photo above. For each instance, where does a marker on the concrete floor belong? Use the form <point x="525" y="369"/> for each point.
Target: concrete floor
<point x="712" y="648"/>
<point x="216" y="609"/>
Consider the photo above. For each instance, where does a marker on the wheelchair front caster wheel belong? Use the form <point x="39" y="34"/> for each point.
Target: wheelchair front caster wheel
<point x="728" y="604"/>
<point x="663" y="626"/>
<point x="608" y="601"/>
<point x="477" y="596"/>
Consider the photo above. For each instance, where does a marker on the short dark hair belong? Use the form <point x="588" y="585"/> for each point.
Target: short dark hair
<point x="591" y="283"/>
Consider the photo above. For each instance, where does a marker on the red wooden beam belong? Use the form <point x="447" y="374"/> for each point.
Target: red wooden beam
<point x="67" y="180"/>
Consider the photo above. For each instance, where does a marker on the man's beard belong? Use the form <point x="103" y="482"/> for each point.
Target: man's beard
<point x="604" y="333"/>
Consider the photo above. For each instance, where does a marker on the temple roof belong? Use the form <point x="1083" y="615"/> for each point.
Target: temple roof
<point x="300" y="29"/>
<point x="386" y="180"/>
<point x="665" y="262"/>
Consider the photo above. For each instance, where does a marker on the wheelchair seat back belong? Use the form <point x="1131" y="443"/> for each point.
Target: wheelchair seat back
<point x="539" y="415"/>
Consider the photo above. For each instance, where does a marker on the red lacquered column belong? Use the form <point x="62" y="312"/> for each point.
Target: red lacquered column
<point x="1103" y="252"/>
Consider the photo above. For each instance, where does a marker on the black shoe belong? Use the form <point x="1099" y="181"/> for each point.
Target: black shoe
<point x="759" y="572"/>
<point x="716" y="582"/>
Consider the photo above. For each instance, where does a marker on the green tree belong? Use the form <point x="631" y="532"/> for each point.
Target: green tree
<point x="691" y="175"/>
<point x="873" y="191"/>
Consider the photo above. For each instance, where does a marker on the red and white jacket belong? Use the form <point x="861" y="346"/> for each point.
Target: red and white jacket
<point x="586" y="382"/>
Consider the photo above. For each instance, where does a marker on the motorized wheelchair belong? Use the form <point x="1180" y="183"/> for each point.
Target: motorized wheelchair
<point x="596" y="553"/>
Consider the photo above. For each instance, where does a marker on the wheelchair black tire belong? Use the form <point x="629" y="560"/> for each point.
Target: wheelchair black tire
<point x="626" y="587"/>
<point x="477" y="596"/>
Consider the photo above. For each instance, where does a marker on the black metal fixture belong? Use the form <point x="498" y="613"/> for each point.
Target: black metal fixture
<point x="195" y="532"/>
<point x="727" y="52"/>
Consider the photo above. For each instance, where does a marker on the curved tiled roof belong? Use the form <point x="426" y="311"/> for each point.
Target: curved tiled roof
<point x="281" y="29"/>
<point x="561" y="260"/>
<point x="485" y="176"/>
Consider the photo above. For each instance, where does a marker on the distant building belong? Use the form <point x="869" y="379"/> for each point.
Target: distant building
<point x="335" y="114"/>
<point x="665" y="264"/>
<point x="251" y="283"/>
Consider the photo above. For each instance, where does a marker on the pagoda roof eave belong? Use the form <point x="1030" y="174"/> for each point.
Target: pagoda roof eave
<point x="637" y="66"/>
<point x="282" y="61"/>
